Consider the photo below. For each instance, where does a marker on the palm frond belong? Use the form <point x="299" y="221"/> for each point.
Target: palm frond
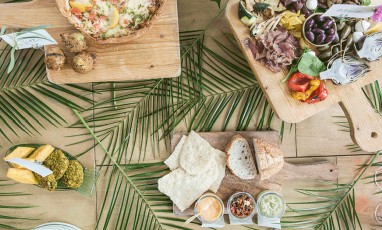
<point x="143" y="114"/>
<point x="330" y="207"/>
<point x="5" y="197"/>
<point x="25" y="94"/>
<point x="132" y="192"/>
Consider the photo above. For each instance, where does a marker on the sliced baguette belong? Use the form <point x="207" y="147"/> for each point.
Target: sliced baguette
<point x="269" y="158"/>
<point x="240" y="159"/>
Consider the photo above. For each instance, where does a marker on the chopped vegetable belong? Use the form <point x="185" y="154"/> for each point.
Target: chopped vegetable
<point x="241" y="206"/>
<point x="305" y="88"/>
<point x="299" y="82"/>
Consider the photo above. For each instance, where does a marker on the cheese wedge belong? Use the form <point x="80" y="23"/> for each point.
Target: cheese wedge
<point x="42" y="153"/>
<point x="19" y="152"/>
<point x="23" y="176"/>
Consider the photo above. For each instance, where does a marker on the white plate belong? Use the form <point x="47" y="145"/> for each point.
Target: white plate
<point x="56" y="226"/>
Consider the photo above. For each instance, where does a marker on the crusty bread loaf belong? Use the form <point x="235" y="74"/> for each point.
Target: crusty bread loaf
<point x="240" y="159"/>
<point x="269" y="158"/>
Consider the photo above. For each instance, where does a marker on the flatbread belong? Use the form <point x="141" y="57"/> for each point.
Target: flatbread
<point x="197" y="155"/>
<point x="220" y="158"/>
<point x="173" y="160"/>
<point x="184" y="189"/>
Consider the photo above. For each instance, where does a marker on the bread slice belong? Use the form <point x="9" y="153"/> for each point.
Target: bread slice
<point x="269" y="158"/>
<point x="240" y="159"/>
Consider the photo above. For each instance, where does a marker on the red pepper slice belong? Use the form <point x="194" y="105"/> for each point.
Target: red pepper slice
<point x="299" y="82"/>
<point x="319" y="94"/>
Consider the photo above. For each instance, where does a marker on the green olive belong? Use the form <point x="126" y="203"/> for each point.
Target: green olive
<point x="340" y="26"/>
<point x="345" y="32"/>
<point x="335" y="50"/>
<point x="326" y="55"/>
<point x="323" y="48"/>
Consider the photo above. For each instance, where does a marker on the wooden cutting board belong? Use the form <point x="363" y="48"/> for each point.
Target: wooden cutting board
<point x="232" y="184"/>
<point x="365" y="123"/>
<point x="154" y="55"/>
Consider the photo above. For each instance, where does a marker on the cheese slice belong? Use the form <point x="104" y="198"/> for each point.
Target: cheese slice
<point x="42" y="153"/>
<point x="19" y="152"/>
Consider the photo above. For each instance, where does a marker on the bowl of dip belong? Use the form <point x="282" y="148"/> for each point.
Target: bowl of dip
<point x="211" y="208"/>
<point x="270" y="205"/>
<point x="241" y="205"/>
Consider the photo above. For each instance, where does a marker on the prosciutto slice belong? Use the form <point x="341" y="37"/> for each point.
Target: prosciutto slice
<point x="276" y="49"/>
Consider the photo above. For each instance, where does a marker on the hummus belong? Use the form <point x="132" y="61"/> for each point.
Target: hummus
<point x="210" y="208"/>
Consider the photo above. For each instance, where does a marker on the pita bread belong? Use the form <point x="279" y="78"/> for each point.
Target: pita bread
<point x="269" y="158"/>
<point x="173" y="160"/>
<point x="197" y="155"/>
<point x="220" y="158"/>
<point x="184" y="189"/>
<point x="64" y="8"/>
<point x="173" y="163"/>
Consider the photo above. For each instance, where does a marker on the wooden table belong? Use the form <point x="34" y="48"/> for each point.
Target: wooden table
<point x="316" y="138"/>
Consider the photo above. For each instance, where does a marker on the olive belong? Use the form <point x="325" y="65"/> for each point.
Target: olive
<point x="330" y="32"/>
<point x="310" y="36"/>
<point x="309" y="23"/>
<point x="328" y="24"/>
<point x="345" y="32"/>
<point x="335" y="50"/>
<point x="318" y="31"/>
<point x="340" y="26"/>
<point x="329" y="38"/>
<point x="314" y="26"/>
<point x="323" y="48"/>
<point x="336" y="38"/>
<point x="325" y="55"/>
<point x="320" y="39"/>
<point x="320" y="18"/>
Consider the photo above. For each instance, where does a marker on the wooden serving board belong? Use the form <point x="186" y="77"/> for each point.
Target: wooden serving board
<point x="156" y="54"/>
<point x="365" y="123"/>
<point x="232" y="184"/>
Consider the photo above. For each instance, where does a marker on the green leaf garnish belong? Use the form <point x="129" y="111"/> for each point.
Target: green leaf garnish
<point x="310" y="65"/>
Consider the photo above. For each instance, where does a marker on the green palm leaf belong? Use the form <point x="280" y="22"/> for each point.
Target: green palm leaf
<point x="139" y="114"/>
<point x="5" y="197"/>
<point x="25" y="94"/>
<point x="132" y="192"/>
<point x="330" y="207"/>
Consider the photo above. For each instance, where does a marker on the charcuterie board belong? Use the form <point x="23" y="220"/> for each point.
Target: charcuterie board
<point x="365" y="123"/>
<point x="232" y="184"/>
<point x="154" y="55"/>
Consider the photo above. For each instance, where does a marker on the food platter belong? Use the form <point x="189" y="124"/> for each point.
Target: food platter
<point x="232" y="184"/>
<point x="87" y="185"/>
<point x="156" y="54"/>
<point x="365" y="123"/>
